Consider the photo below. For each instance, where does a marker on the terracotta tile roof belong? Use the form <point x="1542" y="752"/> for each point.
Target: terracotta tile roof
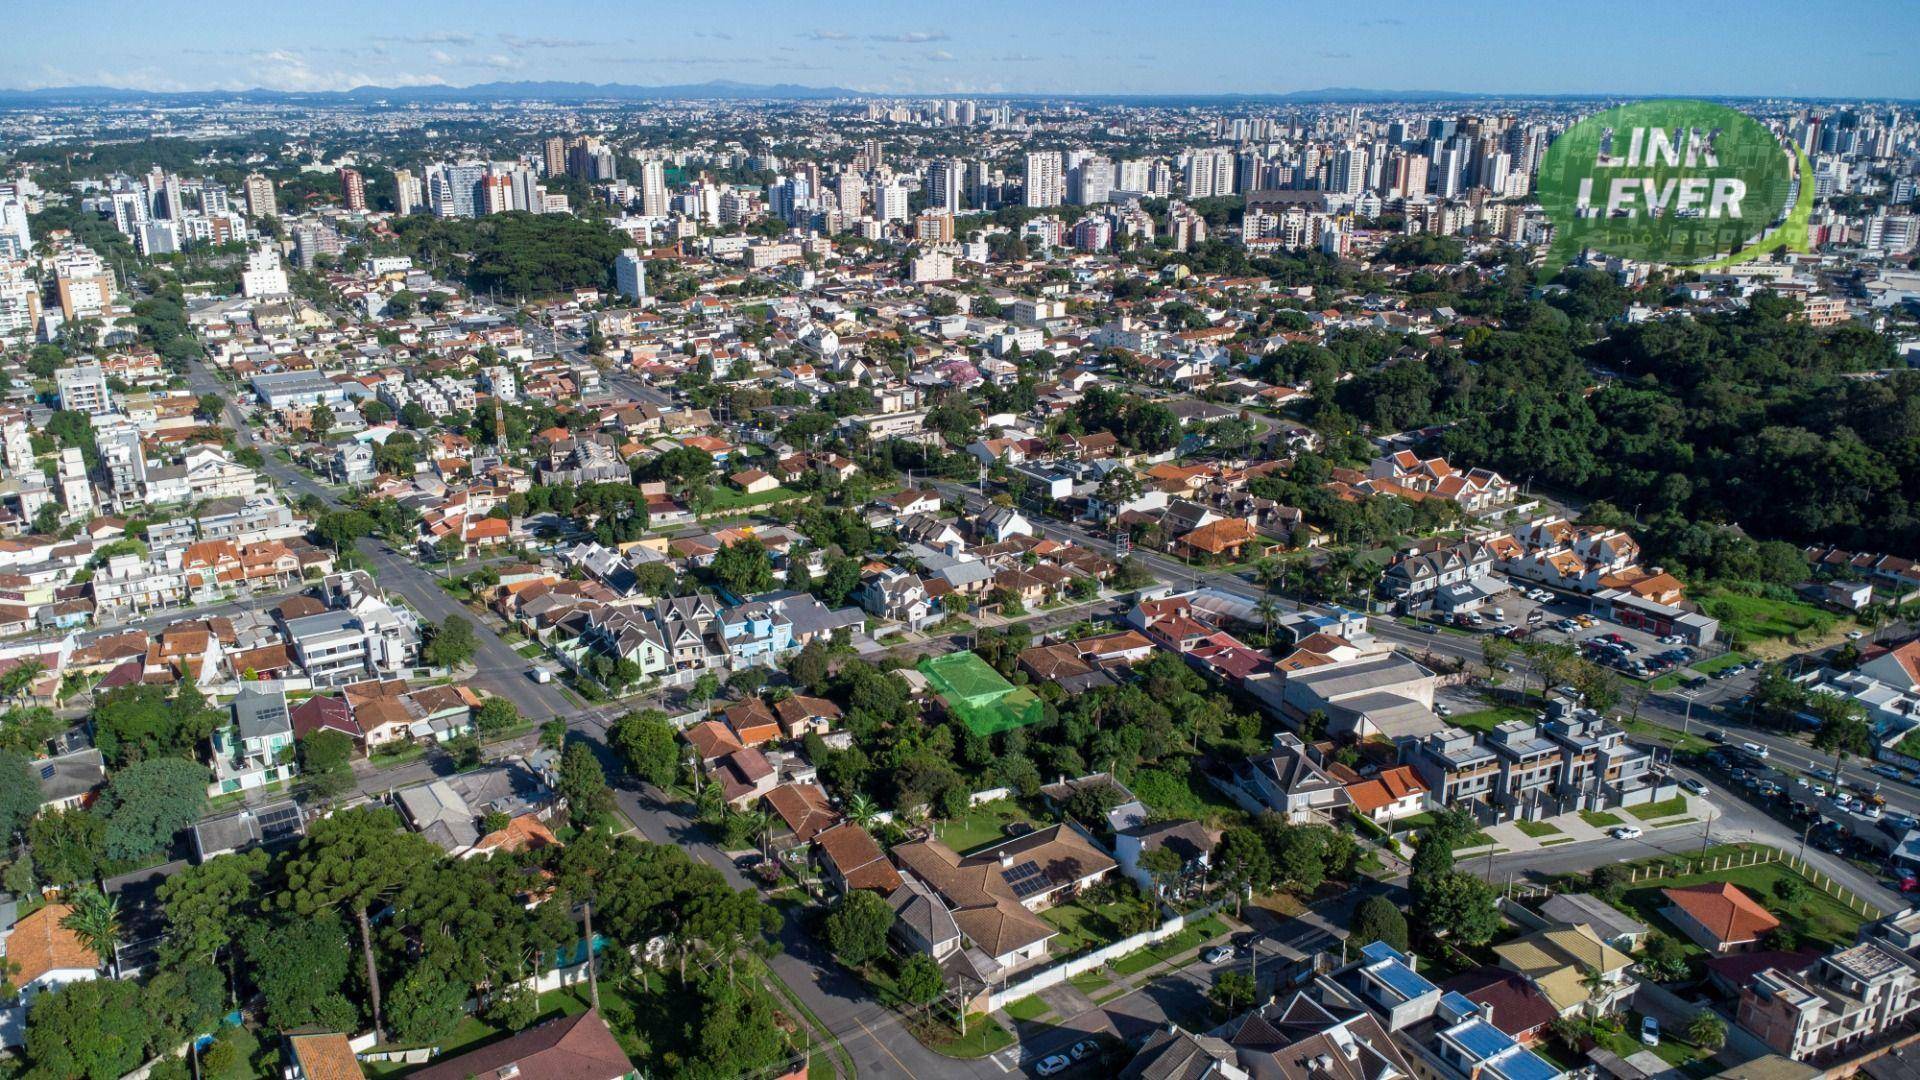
<point x="39" y="944"/>
<point x="712" y="739"/>
<point x="856" y="856"/>
<point x="325" y="1056"/>
<point x="524" y="833"/>
<point x="571" y="1048"/>
<point x="803" y="808"/>
<point x="1384" y="790"/>
<point x="1724" y="909"/>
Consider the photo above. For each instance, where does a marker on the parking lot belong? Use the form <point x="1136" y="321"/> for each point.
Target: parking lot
<point x="1528" y="611"/>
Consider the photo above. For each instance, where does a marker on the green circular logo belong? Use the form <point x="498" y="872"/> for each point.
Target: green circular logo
<point x="1683" y="182"/>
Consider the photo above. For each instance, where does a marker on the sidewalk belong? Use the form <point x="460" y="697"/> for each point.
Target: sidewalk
<point x="1509" y="837"/>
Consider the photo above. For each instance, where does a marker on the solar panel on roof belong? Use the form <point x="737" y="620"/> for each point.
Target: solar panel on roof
<point x="1481" y="1039"/>
<point x="1524" y="1064"/>
<point x="46" y="772"/>
<point x="1028" y="887"/>
<point x="1405" y="981"/>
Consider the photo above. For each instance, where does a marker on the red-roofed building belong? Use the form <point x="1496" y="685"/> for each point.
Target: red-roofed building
<point x="1718" y="916"/>
<point x="1394" y="794"/>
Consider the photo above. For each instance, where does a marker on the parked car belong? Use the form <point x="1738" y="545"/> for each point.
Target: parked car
<point x="1649" y="1031"/>
<point x="1084" y="1049"/>
<point x="1694" y="785"/>
<point x="1625" y="832"/>
<point x="1755" y="749"/>
<point x="1854" y="635"/>
<point x="1053" y="1065"/>
<point x="1217" y="954"/>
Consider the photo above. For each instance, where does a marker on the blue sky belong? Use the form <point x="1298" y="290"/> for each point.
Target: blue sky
<point x="1839" y="48"/>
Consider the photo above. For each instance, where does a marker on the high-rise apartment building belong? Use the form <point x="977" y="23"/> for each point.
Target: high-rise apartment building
<point x="553" y="155"/>
<point x="353" y="189"/>
<point x="259" y="195"/>
<point x="407" y="196"/>
<point x="945" y="176"/>
<point x="1209" y="173"/>
<point x="1045" y="185"/>
<point x="653" y="188"/>
<point x="630" y="274"/>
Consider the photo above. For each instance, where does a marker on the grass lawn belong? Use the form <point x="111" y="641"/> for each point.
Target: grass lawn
<point x="530" y="650"/>
<point x="245" y="1044"/>
<point x="1190" y="938"/>
<point x="1724" y="660"/>
<point x="982" y="824"/>
<point x="1090" y="982"/>
<point x="1473" y="839"/>
<point x="984" y="1036"/>
<point x="1488" y="719"/>
<point x="1029" y="1009"/>
<point x="1537" y="829"/>
<point x="1664" y="808"/>
<point x="727" y="498"/>
<point x="1082" y="927"/>
<point x="1818" y="918"/>
<point x="1749" y="617"/>
<point x="1665" y="736"/>
<point x="1600" y="819"/>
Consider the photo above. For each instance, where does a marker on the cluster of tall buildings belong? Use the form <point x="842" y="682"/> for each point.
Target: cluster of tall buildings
<point x="162" y="212"/>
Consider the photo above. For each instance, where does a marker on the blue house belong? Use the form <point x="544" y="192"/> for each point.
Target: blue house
<point x="756" y="632"/>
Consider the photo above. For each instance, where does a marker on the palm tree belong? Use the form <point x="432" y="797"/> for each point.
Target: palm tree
<point x="1595" y="982"/>
<point x="95" y="920"/>
<point x="759" y="826"/>
<point x="862" y="811"/>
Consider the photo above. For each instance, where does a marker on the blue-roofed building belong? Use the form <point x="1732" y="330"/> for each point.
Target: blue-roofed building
<point x="1465" y="1044"/>
<point x="1389" y="984"/>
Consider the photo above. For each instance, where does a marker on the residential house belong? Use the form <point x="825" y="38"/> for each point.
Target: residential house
<point x="1455" y="577"/>
<point x="896" y="594"/>
<point x="1190" y="842"/>
<point x="1719" y="916"/>
<point x="44" y="955"/>
<point x="321" y="1055"/>
<point x="256" y="748"/>
<point x="70" y="781"/>
<point x="995" y="892"/>
<point x="1292" y="782"/>
<point x="578" y="1047"/>
<point x="1388" y="796"/>
<point x="1561" y="964"/>
<point x="1607" y="922"/>
<point x="1172" y="1053"/>
<point x="1317" y="1032"/>
<point x="1506" y="1000"/>
<point x="852" y="859"/>
<point x="1456" y="768"/>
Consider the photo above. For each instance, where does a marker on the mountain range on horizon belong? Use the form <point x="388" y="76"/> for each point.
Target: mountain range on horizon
<point x="718" y="89"/>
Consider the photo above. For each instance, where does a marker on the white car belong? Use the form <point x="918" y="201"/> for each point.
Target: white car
<point x="1051" y="1065"/>
<point x="1854" y="635"/>
<point x="1696" y="787"/>
<point x="1624" y="832"/>
<point x="1755" y="749"/>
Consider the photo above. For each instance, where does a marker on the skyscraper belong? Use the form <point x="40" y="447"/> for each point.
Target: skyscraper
<point x="653" y="188"/>
<point x="890" y="202"/>
<point x="406" y="192"/>
<point x="353" y="189"/>
<point x="1209" y="173"/>
<point x="553" y="153"/>
<point x="1045" y="185"/>
<point x="944" y="177"/>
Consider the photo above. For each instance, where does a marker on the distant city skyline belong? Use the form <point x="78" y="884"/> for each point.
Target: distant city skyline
<point x="1753" y="48"/>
